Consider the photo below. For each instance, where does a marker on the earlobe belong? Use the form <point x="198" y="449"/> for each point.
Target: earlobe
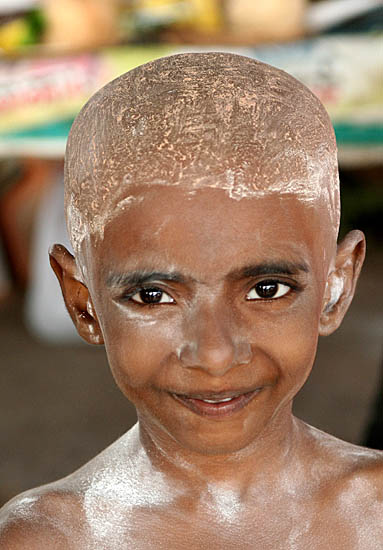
<point x="76" y="295"/>
<point x="342" y="281"/>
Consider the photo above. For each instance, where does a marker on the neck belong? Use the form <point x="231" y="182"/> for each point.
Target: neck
<point x="263" y="460"/>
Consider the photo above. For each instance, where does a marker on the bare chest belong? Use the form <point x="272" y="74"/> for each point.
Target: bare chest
<point x="174" y="529"/>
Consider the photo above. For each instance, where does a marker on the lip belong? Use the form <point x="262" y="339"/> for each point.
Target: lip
<point x="216" y="410"/>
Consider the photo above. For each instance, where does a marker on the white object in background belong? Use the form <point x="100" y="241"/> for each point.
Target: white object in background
<point x="331" y="12"/>
<point x="14" y="6"/>
<point x="45" y="314"/>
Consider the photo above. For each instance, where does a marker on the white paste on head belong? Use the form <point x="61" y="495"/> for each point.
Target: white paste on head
<point x="213" y="120"/>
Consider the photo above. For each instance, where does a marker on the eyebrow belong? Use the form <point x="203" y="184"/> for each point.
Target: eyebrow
<point x="140" y="277"/>
<point x="268" y="268"/>
<point x="134" y="278"/>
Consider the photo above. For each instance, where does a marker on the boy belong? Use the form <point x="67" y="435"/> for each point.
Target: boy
<point x="203" y="206"/>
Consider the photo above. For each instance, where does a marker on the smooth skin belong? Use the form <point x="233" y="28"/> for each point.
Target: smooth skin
<point x="256" y="478"/>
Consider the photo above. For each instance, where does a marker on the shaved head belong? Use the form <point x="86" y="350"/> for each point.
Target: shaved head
<point x="198" y="120"/>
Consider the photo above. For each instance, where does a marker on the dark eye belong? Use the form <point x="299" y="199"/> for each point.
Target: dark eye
<point x="152" y="296"/>
<point x="267" y="290"/>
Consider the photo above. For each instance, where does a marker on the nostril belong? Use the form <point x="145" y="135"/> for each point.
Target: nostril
<point x="198" y="355"/>
<point x="217" y="358"/>
<point x="213" y="342"/>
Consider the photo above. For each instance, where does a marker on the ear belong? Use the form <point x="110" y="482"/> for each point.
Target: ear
<point x="342" y="281"/>
<point x="76" y="295"/>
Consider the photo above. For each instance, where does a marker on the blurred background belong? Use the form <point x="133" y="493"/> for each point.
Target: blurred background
<point x="58" y="403"/>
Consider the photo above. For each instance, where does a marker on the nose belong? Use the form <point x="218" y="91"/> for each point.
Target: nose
<point x="213" y="344"/>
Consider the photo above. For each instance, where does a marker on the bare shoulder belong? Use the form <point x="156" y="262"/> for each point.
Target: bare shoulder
<point x="59" y="515"/>
<point x="343" y="454"/>
<point x="46" y="517"/>
<point x="351" y="474"/>
<point x="50" y="516"/>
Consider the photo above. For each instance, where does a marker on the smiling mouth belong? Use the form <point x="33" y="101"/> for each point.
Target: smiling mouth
<point x="216" y="405"/>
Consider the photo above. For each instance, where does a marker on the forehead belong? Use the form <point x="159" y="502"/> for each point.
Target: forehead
<point x="207" y="231"/>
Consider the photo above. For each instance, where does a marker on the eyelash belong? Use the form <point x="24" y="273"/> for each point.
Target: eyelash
<point x="128" y="296"/>
<point x="293" y="287"/>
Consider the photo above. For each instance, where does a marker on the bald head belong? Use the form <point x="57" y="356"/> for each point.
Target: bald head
<point x="198" y="120"/>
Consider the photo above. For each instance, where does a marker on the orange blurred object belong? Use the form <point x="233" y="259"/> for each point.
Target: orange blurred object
<point x="265" y="20"/>
<point x="80" y="24"/>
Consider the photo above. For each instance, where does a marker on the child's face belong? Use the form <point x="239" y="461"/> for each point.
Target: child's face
<point x="199" y="294"/>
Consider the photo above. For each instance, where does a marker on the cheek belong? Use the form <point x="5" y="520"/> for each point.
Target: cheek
<point x="138" y="348"/>
<point x="299" y="346"/>
<point x="294" y="343"/>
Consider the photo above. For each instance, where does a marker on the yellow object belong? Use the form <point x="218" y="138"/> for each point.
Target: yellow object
<point x="13" y="35"/>
<point x="202" y="15"/>
<point x="162" y="12"/>
<point x="207" y="16"/>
